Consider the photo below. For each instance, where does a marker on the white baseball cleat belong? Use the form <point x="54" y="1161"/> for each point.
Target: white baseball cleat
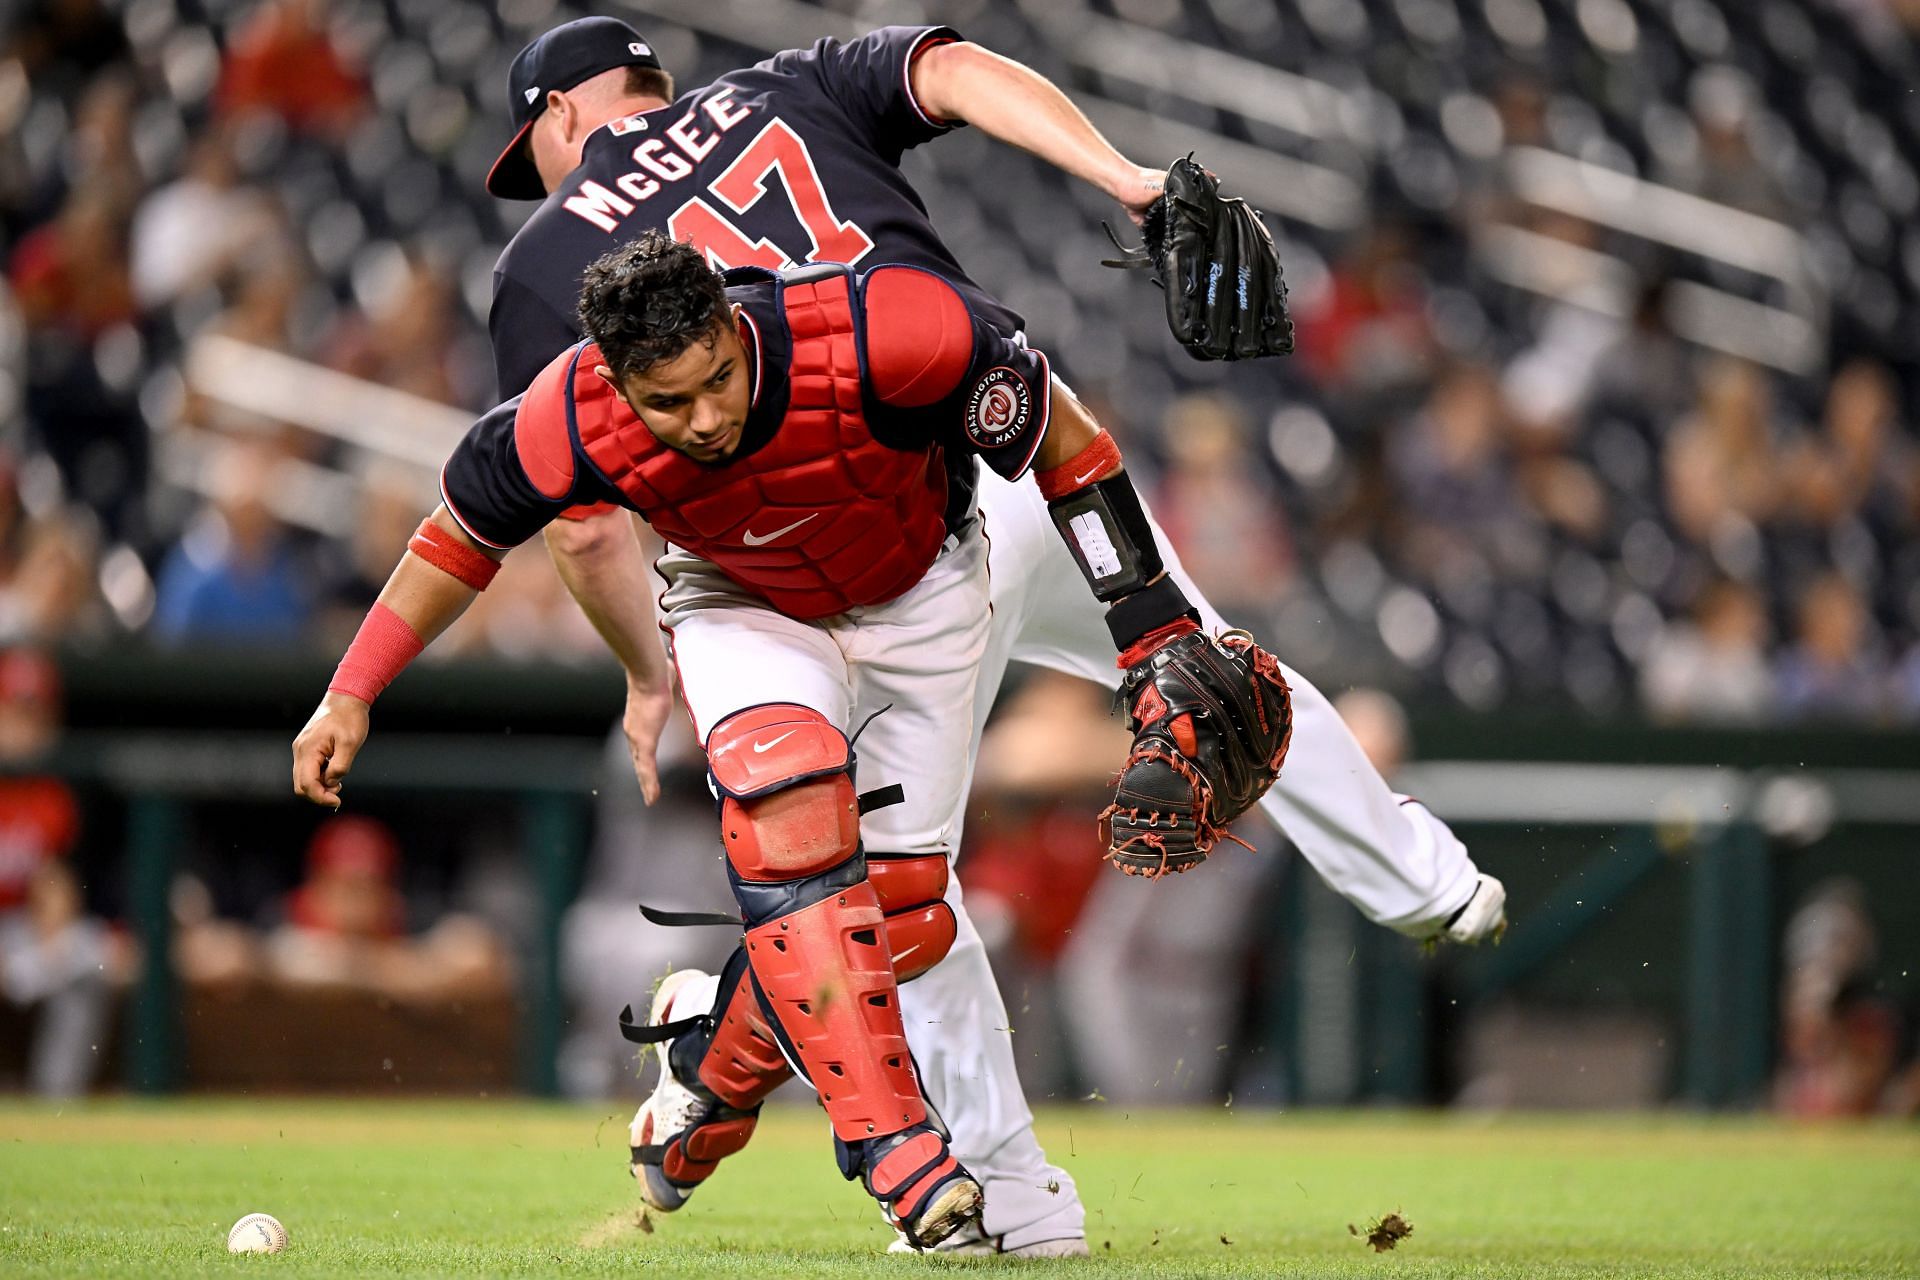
<point x="671" y="1108"/>
<point x="971" y="1242"/>
<point x="1484" y="916"/>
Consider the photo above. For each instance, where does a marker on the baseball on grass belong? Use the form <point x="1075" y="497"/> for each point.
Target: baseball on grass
<point x="257" y="1233"/>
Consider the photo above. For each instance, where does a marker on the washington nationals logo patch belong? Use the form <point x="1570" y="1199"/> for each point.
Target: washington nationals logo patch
<point x="999" y="409"/>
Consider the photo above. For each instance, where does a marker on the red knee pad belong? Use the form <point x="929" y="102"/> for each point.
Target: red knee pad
<point x="920" y="926"/>
<point x="792" y="833"/>
<point x="919" y="938"/>
<point x="788" y="807"/>
<point x="827" y="973"/>
<point x="907" y="882"/>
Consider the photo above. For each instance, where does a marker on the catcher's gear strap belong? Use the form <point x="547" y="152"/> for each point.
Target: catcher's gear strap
<point x="761" y="900"/>
<point x="1159" y="607"/>
<point x="1108" y="533"/>
<point x="451" y="556"/>
<point x="829" y="985"/>
<point x="381" y="650"/>
<point x="920" y="925"/>
<point x="1081" y="470"/>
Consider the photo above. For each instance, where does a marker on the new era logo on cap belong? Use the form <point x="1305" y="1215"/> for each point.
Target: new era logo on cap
<point x="639" y="49"/>
<point x="533" y="93"/>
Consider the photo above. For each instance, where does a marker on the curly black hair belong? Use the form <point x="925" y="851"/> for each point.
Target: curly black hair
<point x="648" y="301"/>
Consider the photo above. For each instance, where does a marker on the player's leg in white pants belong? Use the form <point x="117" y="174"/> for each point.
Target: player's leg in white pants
<point x="1392" y="857"/>
<point x="917" y="656"/>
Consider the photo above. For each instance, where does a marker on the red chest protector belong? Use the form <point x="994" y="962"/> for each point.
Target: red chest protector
<point x="818" y="520"/>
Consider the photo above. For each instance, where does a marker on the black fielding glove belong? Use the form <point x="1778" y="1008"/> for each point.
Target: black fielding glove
<point x="1226" y="293"/>
<point x="1211" y="719"/>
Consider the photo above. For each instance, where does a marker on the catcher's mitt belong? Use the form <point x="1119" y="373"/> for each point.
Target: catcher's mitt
<point x="1226" y="294"/>
<point x="1211" y="719"/>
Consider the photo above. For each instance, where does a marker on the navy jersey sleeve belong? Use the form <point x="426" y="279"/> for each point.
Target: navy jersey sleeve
<point x="870" y="80"/>
<point x="938" y="369"/>
<point x="1005" y="401"/>
<point x="527" y="333"/>
<point x="485" y="484"/>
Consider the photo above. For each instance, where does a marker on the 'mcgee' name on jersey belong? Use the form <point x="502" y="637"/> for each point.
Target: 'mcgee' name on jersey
<point x="793" y="160"/>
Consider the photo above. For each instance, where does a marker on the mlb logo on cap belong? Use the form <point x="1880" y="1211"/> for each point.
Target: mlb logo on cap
<point x="562" y="58"/>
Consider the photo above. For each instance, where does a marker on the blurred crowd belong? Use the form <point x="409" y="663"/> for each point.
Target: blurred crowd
<point x="1457" y="488"/>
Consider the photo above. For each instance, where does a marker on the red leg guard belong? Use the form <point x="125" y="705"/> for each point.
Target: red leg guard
<point x="692" y="1157"/>
<point x="826" y="972"/>
<point x="920" y="926"/>
<point x="743" y="1062"/>
<point x="815" y="938"/>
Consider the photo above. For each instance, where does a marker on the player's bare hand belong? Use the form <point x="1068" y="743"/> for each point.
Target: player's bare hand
<point x="324" y="751"/>
<point x="649" y="703"/>
<point x="1136" y="188"/>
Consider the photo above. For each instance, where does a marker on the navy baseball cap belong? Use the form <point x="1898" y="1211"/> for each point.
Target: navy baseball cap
<point x="560" y="59"/>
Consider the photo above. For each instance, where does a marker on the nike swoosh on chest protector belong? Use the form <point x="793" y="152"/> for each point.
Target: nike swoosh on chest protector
<point x="753" y="539"/>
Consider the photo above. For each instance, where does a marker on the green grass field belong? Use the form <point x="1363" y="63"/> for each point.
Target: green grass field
<point x="429" y="1189"/>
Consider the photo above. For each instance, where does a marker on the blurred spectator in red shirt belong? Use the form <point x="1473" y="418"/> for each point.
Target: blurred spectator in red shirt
<point x="1367" y="332"/>
<point x="55" y="960"/>
<point x="38" y="819"/>
<point x="346" y="926"/>
<point x="350" y="890"/>
<point x="282" y="61"/>
<point x="70" y="275"/>
<point x="1840" y="1042"/>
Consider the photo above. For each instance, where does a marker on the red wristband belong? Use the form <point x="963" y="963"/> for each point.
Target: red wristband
<point x="1081" y="470"/>
<point x="451" y="556"/>
<point x="381" y="649"/>
<point x="1143" y="648"/>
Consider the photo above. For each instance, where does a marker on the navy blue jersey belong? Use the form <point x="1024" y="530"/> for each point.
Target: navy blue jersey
<point x="993" y="402"/>
<point x="796" y="159"/>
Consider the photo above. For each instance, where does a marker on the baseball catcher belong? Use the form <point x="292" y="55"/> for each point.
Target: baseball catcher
<point x="1226" y="294"/>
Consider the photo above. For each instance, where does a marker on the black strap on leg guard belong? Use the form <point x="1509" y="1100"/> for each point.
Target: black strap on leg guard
<point x="1107" y="531"/>
<point x="645" y="1033"/>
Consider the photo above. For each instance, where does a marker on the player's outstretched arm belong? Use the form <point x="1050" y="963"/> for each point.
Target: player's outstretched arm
<point x="605" y="570"/>
<point x="1211" y="715"/>
<point x="1016" y="104"/>
<point x="441" y="572"/>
